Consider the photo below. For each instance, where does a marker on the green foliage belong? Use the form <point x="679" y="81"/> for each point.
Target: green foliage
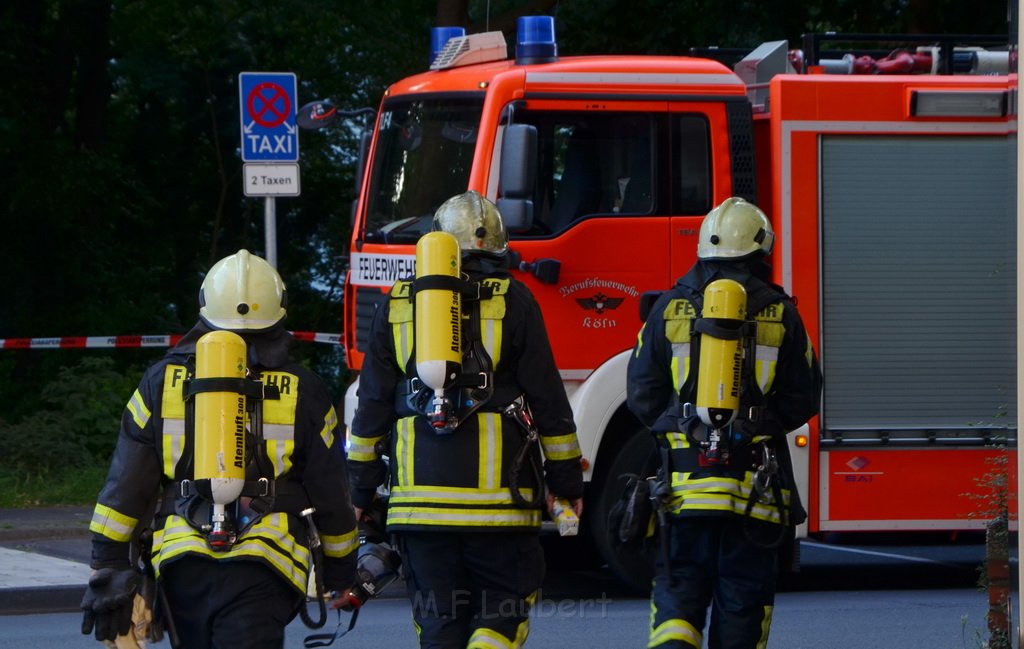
<point x="77" y="422"/>
<point x="72" y="487"/>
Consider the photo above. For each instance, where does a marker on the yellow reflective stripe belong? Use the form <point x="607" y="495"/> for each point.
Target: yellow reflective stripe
<point x="405" y="515"/>
<point x="280" y="453"/>
<point x="279" y="440"/>
<point x="766" y="625"/>
<point x="340" y="545"/>
<point x="281" y="410"/>
<point x="675" y="630"/>
<point x="330" y="422"/>
<point x="677" y="440"/>
<point x="363" y="449"/>
<point x="680" y="359"/>
<point x="727" y="502"/>
<point x="403" y="339"/>
<point x="454" y="495"/>
<point x="523" y="629"/>
<point x="489" y="460"/>
<point x="639" y="341"/>
<point x="765" y="362"/>
<point x="809" y="354"/>
<point x="172" y="401"/>
<point x="173" y="444"/>
<point x="490" y="335"/>
<point x="561" y="447"/>
<point x="483" y="638"/>
<point x="140" y="413"/>
<point x="404" y="443"/>
<point x="268" y="539"/>
<point x="112" y="524"/>
<point x="400" y="316"/>
<point x="770" y="334"/>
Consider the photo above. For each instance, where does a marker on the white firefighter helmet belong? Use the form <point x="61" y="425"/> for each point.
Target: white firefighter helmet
<point x="474" y="221"/>
<point x="735" y="229"/>
<point x="242" y="292"/>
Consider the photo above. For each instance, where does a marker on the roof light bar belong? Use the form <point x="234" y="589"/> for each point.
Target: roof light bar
<point x="439" y="36"/>
<point x="475" y="48"/>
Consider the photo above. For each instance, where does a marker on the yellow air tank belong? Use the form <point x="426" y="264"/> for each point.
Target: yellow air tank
<point x="438" y="344"/>
<point x="220" y="428"/>
<point x="721" y="353"/>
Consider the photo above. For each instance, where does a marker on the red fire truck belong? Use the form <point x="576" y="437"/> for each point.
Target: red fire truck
<point x="892" y="197"/>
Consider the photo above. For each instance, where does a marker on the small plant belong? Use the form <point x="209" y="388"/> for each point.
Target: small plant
<point x="994" y="576"/>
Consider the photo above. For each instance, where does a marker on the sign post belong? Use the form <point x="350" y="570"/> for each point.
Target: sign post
<point x="270" y="143"/>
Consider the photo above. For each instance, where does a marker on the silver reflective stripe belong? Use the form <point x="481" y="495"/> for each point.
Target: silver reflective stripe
<point x="681" y="352"/>
<point x="279" y="432"/>
<point x="140" y="413"/>
<point x="490" y="450"/>
<point x="462" y="517"/>
<point x="173" y="444"/>
<point x="454" y="495"/>
<point x="633" y="78"/>
<point x="765" y="359"/>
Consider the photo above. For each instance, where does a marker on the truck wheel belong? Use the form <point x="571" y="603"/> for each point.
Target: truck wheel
<point x="634" y="569"/>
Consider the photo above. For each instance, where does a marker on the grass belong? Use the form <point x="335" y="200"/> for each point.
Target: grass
<point x="77" y="486"/>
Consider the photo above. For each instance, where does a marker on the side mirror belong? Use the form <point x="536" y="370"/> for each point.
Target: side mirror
<point x="317" y="115"/>
<point x="518" y="161"/>
<point x="517" y="213"/>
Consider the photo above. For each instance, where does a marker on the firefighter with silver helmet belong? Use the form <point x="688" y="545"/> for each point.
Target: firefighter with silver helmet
<point x="228" y="482"/>
<point x="472" y="414"/>
<point x="722" y="370"/>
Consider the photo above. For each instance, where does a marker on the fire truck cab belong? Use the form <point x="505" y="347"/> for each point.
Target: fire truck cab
<point x="893" y="206"/>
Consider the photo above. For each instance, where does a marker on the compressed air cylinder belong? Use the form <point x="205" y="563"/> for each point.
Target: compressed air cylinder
<point x="721" y="356"/>
<point x="438" y="342"/>
<point x="220" y="419"/>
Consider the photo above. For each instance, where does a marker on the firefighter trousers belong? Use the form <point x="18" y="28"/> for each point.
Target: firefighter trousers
<point x="711" y="562"/>
<point x="472" y="590"/>
<point x="228" y="604"/>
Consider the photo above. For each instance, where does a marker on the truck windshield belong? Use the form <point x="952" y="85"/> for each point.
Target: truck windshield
<point x="423" y="156"/>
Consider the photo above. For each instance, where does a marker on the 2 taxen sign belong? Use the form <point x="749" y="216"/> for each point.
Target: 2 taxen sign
<point x="269" y="131"/>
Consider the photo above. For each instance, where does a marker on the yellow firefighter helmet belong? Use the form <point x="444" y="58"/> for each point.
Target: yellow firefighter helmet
<point x="474" y="221"/>
<point x="735" y="229"/>
<point x="242" y="292"/>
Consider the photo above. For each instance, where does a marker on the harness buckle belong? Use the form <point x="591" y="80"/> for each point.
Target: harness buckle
<point x="766" y="471"/>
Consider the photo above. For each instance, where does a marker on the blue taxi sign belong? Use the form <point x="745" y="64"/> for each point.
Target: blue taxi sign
<point x="267" y="102"/>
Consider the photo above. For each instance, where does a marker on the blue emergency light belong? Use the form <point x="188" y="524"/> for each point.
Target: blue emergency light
<point x="535" y="40"/>
<point x="439" y="36"/>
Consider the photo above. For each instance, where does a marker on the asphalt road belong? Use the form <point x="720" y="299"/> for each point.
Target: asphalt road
<point x="853" y="592"/>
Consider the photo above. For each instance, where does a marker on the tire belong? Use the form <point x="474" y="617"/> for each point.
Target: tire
<point x="636" y="455"/>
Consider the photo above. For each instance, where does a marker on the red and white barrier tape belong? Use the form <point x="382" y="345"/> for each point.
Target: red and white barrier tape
<point x="106" y="342"/>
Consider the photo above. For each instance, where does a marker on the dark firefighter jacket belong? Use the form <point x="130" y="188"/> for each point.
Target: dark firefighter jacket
<point x="460" y="481"/>
<point x="786" y="374"/>
<point x="301" y="434"/>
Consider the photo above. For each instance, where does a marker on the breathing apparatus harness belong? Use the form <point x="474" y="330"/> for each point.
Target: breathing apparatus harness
<point x="476" y="386"/>
<point x="728" y="446"/>
<point x="189" y="497"/>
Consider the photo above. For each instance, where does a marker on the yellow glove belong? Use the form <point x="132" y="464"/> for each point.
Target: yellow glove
<point x="142" y="616"/>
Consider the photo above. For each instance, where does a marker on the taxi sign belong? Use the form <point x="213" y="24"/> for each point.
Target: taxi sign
<point x="267" y="102"/>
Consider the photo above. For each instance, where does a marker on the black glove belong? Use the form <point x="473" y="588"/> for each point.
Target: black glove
<point x="108" y="602"/>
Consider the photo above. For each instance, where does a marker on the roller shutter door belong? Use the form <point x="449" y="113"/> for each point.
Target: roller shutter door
<point x="918" y="286"/>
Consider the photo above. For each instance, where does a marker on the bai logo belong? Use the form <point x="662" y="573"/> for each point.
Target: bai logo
<point x="858" y="472"/>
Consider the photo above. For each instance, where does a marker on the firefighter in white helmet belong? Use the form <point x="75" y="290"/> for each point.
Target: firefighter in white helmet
<point x="467" y="485"/>
<point x="242" y="586"/>
<point x="730" y="502"/>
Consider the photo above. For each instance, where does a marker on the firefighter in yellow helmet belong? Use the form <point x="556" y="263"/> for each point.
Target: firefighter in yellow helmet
<point x="730" y="500"/>
<point x="466" y="497"/>
<point x="243" y="587"/>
